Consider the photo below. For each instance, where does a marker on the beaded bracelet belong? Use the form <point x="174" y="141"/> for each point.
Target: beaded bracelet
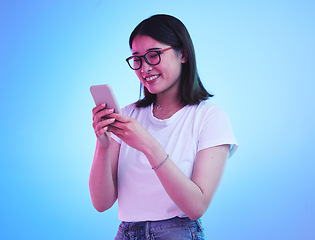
<point x="154" y="168"/>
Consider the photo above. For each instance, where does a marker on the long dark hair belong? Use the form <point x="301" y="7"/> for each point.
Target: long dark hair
<point x="169" y="30"/>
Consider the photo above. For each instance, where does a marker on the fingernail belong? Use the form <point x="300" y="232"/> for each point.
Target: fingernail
<point x="111" y="110"/>
<point x="111" y="120"/>
<point x="103" y="105"/>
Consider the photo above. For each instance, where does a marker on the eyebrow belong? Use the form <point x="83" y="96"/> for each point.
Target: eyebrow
<point x="148" y="50"/>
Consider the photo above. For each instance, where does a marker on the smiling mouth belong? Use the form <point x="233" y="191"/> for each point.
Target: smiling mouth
<point x="148" y="79"/>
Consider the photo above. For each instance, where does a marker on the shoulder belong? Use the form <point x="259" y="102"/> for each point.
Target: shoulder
<point x="214" y="127"/>
<point x="208" y="105"/>
<point x="207" y="108"/>
<point x="207" y="113"/>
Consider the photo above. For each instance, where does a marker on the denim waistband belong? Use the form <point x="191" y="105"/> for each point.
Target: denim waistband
<point x="172" y="223"/>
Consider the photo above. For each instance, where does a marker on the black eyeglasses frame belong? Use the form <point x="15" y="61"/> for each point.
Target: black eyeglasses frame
<point x="159" y="52"/>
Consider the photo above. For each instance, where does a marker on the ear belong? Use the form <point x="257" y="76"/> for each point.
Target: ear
<point x="184" y="57"/>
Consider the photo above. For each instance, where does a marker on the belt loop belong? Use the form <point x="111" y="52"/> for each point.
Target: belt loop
<point x="147" y="230"/>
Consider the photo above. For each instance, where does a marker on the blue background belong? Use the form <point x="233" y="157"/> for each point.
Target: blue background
<point x="257" y="57"/>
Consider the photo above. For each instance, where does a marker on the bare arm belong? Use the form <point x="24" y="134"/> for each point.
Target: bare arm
<point x="103" y="175"/>
<point x="192" y="196"/>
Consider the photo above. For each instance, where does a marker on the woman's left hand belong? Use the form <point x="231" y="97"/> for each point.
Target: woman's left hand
<point x="131" y="132"/>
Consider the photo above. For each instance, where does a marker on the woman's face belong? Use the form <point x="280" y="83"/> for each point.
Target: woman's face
<point x="161" y="78"/>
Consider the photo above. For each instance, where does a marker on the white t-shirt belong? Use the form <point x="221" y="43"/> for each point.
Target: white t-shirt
<point x="141" y="196"/>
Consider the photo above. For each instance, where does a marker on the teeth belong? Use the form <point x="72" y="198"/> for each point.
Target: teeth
<point x="152" y="77"/>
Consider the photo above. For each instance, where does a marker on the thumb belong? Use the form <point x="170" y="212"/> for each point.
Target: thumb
<point x="119" y="117"/>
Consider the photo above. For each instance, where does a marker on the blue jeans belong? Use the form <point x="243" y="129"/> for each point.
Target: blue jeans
<point x="170" y="229"/>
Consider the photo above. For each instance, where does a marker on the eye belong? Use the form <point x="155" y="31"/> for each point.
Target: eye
<point x="153" y="54"/>
<point x="136" y="59"/>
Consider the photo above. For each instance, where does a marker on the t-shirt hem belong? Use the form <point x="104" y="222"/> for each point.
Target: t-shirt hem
<point x="151" y="218"/>
<point x="232" y="143"/>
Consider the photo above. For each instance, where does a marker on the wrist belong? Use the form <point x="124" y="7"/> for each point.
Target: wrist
<point x="161" y="163"/>
<point x="101" y="147"/>
<point x="151" y="148"/>
<point x="154" y="153"/>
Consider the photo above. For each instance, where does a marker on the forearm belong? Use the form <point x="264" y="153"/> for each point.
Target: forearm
<point x="102" y="184"/>
<point x="186" y="194"/>
<point x="183" y="191"/>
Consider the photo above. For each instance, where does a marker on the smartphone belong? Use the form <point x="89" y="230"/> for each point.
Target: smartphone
<point x="104" y="94"/>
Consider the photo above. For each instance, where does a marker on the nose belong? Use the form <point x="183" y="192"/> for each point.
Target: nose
<point x="145" y="68"/>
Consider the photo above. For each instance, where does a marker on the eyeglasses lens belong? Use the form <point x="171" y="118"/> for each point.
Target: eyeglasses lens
<point x="135" y="62"/>
<point x="152" y="58"/>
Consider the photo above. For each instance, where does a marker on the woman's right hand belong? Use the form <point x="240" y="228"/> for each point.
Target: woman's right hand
<point x="101" y="120"/>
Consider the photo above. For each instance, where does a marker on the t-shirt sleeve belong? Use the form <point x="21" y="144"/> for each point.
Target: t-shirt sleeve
<point x="215" y="129"/>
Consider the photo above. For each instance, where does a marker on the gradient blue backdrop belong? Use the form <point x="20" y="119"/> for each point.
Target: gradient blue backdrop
<point x="257" y="57"/>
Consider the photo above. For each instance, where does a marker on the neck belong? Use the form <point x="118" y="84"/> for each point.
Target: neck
<point x="167" y="101"/>
<point x="167" y="98"/>
<point x="168" y="106"/>
<point x="159" y="106"/>
<point x="167" y="109"/>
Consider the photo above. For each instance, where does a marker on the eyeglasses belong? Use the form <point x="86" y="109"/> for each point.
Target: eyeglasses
<point x="151" y="58"/>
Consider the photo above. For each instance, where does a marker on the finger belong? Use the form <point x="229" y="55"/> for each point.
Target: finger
<point x="105" y="122"/>
<point x="104" y="113"/>
<point x="102" y="124"/>
<point x="119" y="129"/>
<point x="119" y="125"/>
<point x="101" y="132"/>
<point x="118" y="132"/>
<point x="98" y="108"/>
<point x="120" y="117"/>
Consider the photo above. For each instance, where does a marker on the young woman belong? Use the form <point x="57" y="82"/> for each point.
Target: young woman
<point x="163" y="157"/>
